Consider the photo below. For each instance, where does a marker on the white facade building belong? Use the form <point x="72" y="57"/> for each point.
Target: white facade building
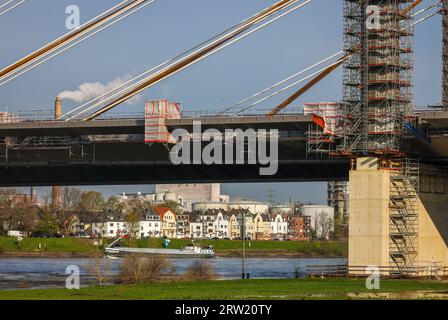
<point x="150" y="226"/>
<point x="196" y="230"/>
<point x="279" y="226"/>
<point x="108" y="229"/>
<point x="116" y="226"/>
<point x="222" y="226"/>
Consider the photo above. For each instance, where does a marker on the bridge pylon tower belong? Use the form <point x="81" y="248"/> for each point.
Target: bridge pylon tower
<point x="377" y="80"/>
<point x="377" y="104"/>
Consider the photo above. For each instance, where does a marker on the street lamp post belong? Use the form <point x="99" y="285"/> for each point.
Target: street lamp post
<point x="243" y="237"/>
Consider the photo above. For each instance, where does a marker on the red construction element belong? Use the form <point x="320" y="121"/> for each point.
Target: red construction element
<point x="156" y="114"/>
<point x="318" y="120"/>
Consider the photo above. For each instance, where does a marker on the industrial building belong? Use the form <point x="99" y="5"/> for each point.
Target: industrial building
<point x="194" y="193"/>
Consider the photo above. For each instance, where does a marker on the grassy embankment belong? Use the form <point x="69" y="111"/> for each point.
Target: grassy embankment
<point x="226" y="248"/>
<point x="47" y="246"/>
<point x="281" y="289"/>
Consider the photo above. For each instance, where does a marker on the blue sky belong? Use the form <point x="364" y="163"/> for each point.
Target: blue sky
<point x="168" y="27"/>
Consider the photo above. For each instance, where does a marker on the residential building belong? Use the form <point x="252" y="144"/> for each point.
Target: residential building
<point x="249" y="225"/>
<point x="113" y="226"/>
<point x="195" y="227"/>
<point x="182" y="225"/>
<point x="150" y="224"/>
<point x="234" y="227"/>
<point x="78" y="228"/>
<point x="279" y="226"/>
<point x="222" y="225"/>
<point x="299" y="228"/>
<point x="208" y="219"/>
<point x="168" y="220"/>
<point x="262" y="227"/>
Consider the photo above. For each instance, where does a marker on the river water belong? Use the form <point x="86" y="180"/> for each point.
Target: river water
<point x="23" y="273"/>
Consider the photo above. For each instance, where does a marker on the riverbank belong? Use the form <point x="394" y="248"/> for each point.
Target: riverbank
<point x="257" y="289"/>
<point x="84" y="248"/>
<point x="46" y="248"/>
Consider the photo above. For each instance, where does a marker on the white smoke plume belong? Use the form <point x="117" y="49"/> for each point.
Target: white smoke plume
<point x="90" y="90"/>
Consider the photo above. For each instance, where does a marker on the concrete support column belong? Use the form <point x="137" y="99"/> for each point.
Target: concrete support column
<point x="368" y="215"/>
<point x="369" y="218"/>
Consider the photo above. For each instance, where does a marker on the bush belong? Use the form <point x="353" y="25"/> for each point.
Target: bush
<point x="200" y="270"/>
<point x="99" y="268"/>
<point x="136" y="269"/>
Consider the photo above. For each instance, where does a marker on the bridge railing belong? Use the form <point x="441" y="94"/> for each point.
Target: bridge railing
<point x="47" y="115"/>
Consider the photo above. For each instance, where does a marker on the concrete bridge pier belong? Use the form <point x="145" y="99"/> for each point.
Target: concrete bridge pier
<point x="397" y="226"/>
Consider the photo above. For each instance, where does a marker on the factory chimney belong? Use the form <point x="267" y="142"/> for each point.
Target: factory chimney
<point x="56" y="196"/>
<point x="57" y="108"/>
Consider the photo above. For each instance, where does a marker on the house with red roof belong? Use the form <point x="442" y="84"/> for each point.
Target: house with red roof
<point x="168" y="220"/>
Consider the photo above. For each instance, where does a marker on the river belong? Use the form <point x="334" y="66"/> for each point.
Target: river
<point x="27" y="273"/>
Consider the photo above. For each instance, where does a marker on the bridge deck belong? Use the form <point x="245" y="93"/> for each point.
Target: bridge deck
<point x="136" y="126"/>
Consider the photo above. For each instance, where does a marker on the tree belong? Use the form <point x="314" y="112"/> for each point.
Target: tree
<point x="48" y="224"/>
<point x="27" y="216"/>
<point x="132" y="224"/>
<point x="173" y="205"/>
<point x="91" y="201"/>
<point x="16" y="212"/>
<point x="69" y="204"/>
<point x="338" y="226"/>
<point x="113" y="204"/>
<point x="139" y="205"/>
<point x="323" y="225"/>
<point x="70" y="199"/>
<point x="7" y="217"/>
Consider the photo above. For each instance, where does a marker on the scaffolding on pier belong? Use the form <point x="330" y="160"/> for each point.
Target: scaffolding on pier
<point x="377" y="104"/>
<point x="377" y="78"/>
<point x="403" y="213"/>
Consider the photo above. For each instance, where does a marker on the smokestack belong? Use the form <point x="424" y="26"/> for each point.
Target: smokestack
<point x="56" y="191"/>
<point x="57" y="108"/>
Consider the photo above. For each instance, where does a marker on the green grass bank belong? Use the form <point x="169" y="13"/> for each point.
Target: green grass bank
<point x="226" y="248"/>
<point x="50" y="245"/>
<point x="282" y="289"/>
